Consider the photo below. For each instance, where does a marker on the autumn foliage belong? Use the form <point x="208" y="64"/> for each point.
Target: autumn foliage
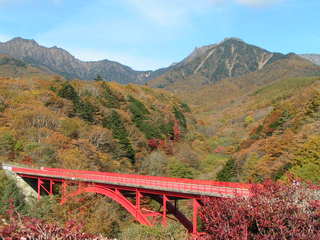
<point x="16" y="226"/>
<point x="274" y="211"/>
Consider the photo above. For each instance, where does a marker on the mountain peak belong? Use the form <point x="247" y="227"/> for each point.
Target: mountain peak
<point x="232" y="39"/>
<point x="60" y="61"/>
<point x="231" y="57"/>
<point x="20" y="40"/>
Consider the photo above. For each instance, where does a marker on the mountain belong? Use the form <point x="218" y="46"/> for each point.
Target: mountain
<point x="11" y="67"/>
<point x="229" y="58"/>
<point x="315" y="58"/>
<point x="61" y="62"/>
<point x="218" y="95"/>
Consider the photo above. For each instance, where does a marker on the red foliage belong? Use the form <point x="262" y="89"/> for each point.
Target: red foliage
<point x="27" y="160"/>
<point x="154" y="143"/>
<point x="22" y="227"/>
<point x="274" y="211"/>
<point x="176" y="131"/>
<point x="220" y="149"/>
<point x="166" y="146"/>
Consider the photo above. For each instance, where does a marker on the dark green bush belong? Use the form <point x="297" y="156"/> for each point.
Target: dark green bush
<point x="138" y="109"/>
<point x="180" y="117"/>
<point x="110" y="100"/>
<point x="185" y="107"/>
<point x="119" y="132"/>
<point x="82" y="109"/>
<point x="85" y="110"/>
<point x="2" y="106"/>
<point x="228" y="173"/>
<point x="149" y="130"/>
<point x="167" y="129"/>
<point x="68" y="92"/>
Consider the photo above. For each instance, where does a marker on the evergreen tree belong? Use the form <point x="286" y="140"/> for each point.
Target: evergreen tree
<point x="119" y="132"/>
<point x="99" y="78"/>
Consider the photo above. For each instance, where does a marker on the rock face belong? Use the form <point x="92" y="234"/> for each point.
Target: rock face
<point x="59" y="61"/>
<point x="29" y="193"/>
<point x="315" y="58"/>
<point x="229" y="58"/>
<point x="12" y="67"/>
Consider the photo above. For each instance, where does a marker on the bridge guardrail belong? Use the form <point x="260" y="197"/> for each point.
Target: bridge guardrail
<point x="169" y="184"/>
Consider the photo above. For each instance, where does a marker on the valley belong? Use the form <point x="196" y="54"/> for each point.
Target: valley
<point x="230" y="112"/>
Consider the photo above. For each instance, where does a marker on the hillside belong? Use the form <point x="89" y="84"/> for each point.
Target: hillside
<point x="209" y="64"/>
<point x="269" y="132"/>
<point x="98" y="126"/>
<point x="315" y="58"/>
<point x="61" y="62"/>
<point x="11" y="67"/>
<point x="217" y="96"/>
<point x="105" y="123"/>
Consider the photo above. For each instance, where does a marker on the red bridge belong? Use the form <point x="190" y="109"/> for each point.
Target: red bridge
<point x="128" y="190"/>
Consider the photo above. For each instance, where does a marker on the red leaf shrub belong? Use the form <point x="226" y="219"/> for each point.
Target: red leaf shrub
<point x="17" y="227"/>
<point x="274" y="211"/>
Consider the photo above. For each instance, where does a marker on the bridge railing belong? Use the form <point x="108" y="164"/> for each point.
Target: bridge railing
<point x="157" y="183"/>
<point x="166" y="179"/>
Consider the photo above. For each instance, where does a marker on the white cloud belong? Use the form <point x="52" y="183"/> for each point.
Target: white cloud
<point x="257" y="3"/>
<point x="170" y="12"/>
<point x="176" y="12"/>
<point x="3" y="37"/>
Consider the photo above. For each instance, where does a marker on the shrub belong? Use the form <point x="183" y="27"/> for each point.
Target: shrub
<point x="178" y="169"/>
<point x="111" y="100"/>
<point x="180" y="117"/>
<point x="138" y="109"/>
<point x="68" y="92"/>
<point x="229" y="172"/>
<point x="185" y="107"/>
<point x="3" y="105"/>
<point x="85" y="110"/>
<point x="149" y="130"/>
<point x="10" y="194"/>
<point x="119" y="132"/>
<point x="24" y="227"/>
<point x="273" y="211"/>
<point x="70" y="128"/>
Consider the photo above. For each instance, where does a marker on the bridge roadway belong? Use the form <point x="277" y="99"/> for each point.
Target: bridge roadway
<point x="164" y="184"/>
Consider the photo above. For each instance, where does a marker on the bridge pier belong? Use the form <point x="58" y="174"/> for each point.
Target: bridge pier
<point x="196" y="205"/>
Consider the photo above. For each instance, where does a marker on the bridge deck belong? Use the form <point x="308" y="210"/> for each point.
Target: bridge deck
<point x="177" y="185"/>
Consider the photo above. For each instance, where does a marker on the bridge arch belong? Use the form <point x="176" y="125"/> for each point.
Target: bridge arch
<point x="116" y="196"/>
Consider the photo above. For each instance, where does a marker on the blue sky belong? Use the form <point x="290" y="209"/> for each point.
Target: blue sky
<point x="149" y="34"/>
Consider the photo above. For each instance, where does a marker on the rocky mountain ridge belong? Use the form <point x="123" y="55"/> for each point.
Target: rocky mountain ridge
<point x="229" y="58"/>
<point x="315" y="58"/>
<point x="60" y="61"/>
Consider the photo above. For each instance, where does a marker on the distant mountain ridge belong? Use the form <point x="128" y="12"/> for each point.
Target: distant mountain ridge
<point x="208" y="64"/>
<point x="60" y="61"/>
<point x="11" y="67"/>
<point x="229" y="58"/>
<point x="315" y="58"/>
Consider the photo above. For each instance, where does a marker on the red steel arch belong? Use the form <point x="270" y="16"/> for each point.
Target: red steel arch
<point x="115" y="196"/>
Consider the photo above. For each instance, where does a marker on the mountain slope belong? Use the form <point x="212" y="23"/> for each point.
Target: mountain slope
<point x="230" y="58"/>
<point x="11" y="67"/>
<point x="315" y="58"/>
<point x="221" y="94"/>
<point x="61" y="62"/>
<point x="274" y="131"/>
